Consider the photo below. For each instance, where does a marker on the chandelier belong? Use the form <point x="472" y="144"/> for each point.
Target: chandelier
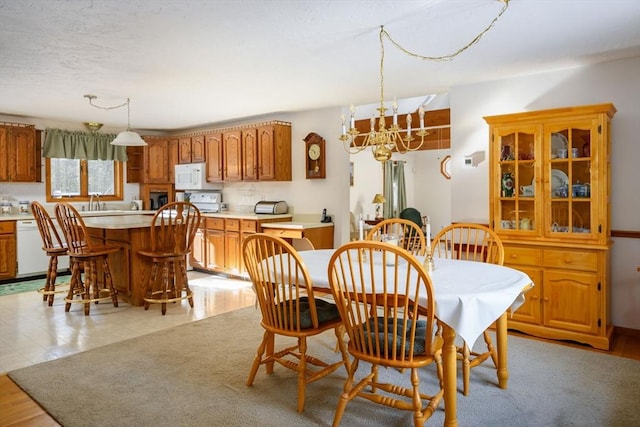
<point x="384" y="140"/>
<point x="128" y="137"/>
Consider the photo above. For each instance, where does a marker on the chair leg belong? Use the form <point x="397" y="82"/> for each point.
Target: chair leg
<point x="466" y="369"/>
<point x="50" y="285"/>
<point x="258" y="359"/>
<point x="490" y="348"/>
<point x="75" y="284"/>
<point x="302" y="367"/>
<point x="151" y="284"/>
<point x="109" y="281"/>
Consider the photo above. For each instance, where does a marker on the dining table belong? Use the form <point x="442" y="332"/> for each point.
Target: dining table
<point x="469" y="297"/>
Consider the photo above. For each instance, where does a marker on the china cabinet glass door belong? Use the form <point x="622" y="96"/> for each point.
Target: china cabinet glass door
<point x="571" y="187"/>
<point x="517" y="178"/>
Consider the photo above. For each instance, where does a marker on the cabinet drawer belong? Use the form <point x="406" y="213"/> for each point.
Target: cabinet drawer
<point x="571" y="259"/>
<point x="214" y="223"/>
<point x="232" y="224"/>
<point x="522" y="256"/>
<point x="284" y="233"/>
<point x="249" y="226"/>
<point x="7" y="227"/>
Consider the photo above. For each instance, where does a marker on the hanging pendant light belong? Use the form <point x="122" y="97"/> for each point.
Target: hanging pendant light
<point x="128" y="137"/>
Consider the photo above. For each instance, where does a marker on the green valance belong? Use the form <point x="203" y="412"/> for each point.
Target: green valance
<point x="64" y="144"/>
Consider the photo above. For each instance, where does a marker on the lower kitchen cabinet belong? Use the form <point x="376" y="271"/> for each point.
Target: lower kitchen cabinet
<point x="8" y="255"/>
<point x="217" y="246"/>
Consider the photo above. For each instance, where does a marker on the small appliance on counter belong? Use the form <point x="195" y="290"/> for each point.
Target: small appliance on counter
<point x="206" y="201"/>
<point x="271" y="208"/>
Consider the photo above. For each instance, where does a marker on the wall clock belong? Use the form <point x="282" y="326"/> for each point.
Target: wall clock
<point x="315" y="156"/>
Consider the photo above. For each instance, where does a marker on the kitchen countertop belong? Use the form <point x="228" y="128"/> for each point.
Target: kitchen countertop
<point x="296" y="225"/>
<point x="150" y="213"/>
<point x="245" y="215"/>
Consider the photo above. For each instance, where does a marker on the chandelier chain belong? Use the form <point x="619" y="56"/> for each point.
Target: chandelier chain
<point x="450" y="56"/>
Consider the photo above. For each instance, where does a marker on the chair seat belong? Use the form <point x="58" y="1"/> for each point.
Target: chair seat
<point x="95" y="251"/>
<point x="326" y="311"/>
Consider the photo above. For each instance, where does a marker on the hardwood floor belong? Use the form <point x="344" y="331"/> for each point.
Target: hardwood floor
<point x="18" y="409"/>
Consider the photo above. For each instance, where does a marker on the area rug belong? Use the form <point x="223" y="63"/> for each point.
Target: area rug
<point x="18" y="287"/>
<point x="194" y="375"/>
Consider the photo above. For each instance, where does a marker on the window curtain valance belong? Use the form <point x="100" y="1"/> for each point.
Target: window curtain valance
<point x="64" y="144"/>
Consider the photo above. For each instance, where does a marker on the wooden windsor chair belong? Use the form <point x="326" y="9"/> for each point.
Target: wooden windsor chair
<point x="376" y="287"/>
<point x="86" y="257"/>
<point x="289" y="308"/>
<point x="471" y="242"/>
<point x="173" y="229"/>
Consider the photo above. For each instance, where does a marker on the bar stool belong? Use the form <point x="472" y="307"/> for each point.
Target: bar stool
<point x="52" y="246"/>
<point x="84" y="256"/>
<point x="172" y="231"/>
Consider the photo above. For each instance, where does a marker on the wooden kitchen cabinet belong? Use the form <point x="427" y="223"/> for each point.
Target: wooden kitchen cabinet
<point x="156" y="161"/>
<point x="191" y="149"/>
<point x="232" y="155"/>
<point x="20" y="158"/>
<point x="250" y="154"/>
<point x="135" y="164"/>
<point x="218" y="246"/>
<point x="257" y="153"/>
<point x="549" y="203"/>
<point x="213" y="149"/>
<point x="274" y="152"/>
<point x="8" y="255"/>
<point x="320" y="237"/>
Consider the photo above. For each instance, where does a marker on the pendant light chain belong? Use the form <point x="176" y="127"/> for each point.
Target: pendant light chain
<point x="450" y="56"/>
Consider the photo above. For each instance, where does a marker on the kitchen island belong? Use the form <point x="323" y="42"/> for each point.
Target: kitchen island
<point x="216" y="247"/>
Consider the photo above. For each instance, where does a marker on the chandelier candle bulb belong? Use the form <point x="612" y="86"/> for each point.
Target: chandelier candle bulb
<point x="361" y="228"/>
<point x="428" y="232"/>
<point x="373" y="123"/>
<point x="421" y="113"/>
<point x="408" y="126"/>
<point x="344" y="127"/>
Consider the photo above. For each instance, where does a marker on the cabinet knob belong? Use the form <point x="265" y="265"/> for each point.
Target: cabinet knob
<point x="545" y="299"/>
<point x="514" y="256"/>
<point x="535" y="297"/>
<point x="567" y="260"/>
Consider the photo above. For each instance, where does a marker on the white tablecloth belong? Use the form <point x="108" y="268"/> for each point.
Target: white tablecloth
<point x="469" y="295"/>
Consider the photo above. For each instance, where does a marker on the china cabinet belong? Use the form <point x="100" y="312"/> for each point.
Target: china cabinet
<point x="549" y="203"/>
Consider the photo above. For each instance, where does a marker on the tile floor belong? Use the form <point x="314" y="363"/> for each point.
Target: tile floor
<point x="32" y="332"/>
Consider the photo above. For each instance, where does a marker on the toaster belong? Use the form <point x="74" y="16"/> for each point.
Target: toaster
<point x="271" y="208"/>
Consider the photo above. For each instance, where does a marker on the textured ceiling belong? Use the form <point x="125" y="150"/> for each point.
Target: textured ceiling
<point x="189" y="63"/>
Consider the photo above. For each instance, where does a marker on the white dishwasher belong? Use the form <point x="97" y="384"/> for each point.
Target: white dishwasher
<point x="32" y="260"/>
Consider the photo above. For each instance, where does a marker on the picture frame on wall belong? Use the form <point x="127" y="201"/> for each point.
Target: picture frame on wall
<point x="351" y="174"/>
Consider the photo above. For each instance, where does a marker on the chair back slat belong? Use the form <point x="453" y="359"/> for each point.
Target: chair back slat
<point x="470" y="242"/>
<point x="381" y="291"/>
<point x="174" y="227"/>
<point x="48" y="232"/>
<point x="410" y="235"/>
<point x="280" y="279"/>
<point x="73" y="228"/>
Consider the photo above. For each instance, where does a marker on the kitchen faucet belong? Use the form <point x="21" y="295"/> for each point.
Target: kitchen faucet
<point x="97" y="202"/>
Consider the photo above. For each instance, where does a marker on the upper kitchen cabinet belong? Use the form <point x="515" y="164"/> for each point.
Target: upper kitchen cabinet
<point x="191" y="149"/>
<point x="135" y="164"/>
<point x="20" y="148"/>
<point x="274" y="152"/>
<point x="213" y="153"/>
<point x="232" y="155"/>
<point x="262" y="153"/>
<point x="157" y="165"/>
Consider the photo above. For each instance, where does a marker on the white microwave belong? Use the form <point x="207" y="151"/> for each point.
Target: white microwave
<point x="193" y="176"/>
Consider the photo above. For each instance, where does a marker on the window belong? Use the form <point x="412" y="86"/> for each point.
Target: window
<point x="74" y="179"/>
